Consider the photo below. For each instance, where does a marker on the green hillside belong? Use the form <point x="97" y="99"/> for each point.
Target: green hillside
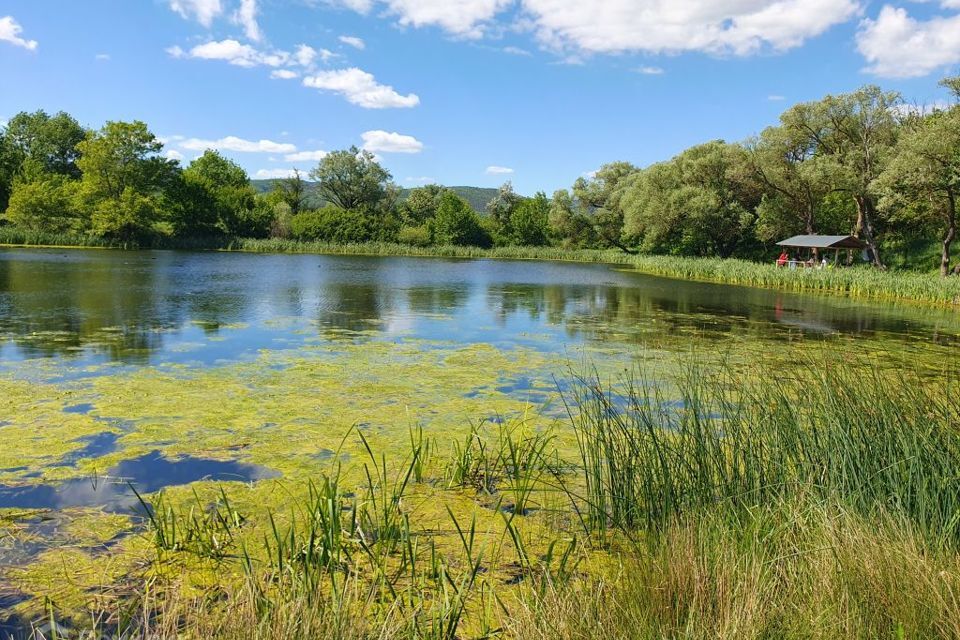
<point x="478" y="197"/>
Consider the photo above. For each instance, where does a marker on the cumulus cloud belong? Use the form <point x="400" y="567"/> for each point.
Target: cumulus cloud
<point x="233" y="143"/>
<point x="102" y="57"/>
<point x="361" y="89"/>
<point x="306" y="156"/>
<point x="203" y="11"/>
<point x="10" y="31"/>
<point x="246" y="16"/>
<point x="353" y="41"/>
<point x="516" y="51"/>
<point x="898" y="46"/>
<point x="284" y="74"/>
<point x="390" y="142"/>
<point x="274" y="174"/>
<point x="651" y="71"/>
<point x="233" y="52"/>
<point x="739" y="27"/>
<point x="463" y="18"/>
<point x="776" y="98"/>
<point x="494" y="170"/>
<point x="173" y="154"/>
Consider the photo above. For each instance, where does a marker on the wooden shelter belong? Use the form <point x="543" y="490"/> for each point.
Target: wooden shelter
<point x="816" y="243"/>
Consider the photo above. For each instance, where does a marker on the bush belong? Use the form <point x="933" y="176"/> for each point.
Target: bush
<point x="415" y="236"/>
<point x="333" y="224"/>
<point x="457" y="223"/>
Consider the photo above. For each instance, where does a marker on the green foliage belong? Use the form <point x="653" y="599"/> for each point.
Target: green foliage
<point x="415" y="236"/>
<point x="699" y="203"/>
<point x="502" y="205"/>
<point x="333" y="224"/>
<point x="420" y="205"/>
<point x="226" y="198"/>
<point x="455" y="223"/>
<point x="529" y="221"/>
<point x="46" y="204"/>
<point x="352" y="178"/>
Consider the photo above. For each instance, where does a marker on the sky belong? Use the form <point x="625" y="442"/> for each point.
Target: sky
<point x="461" y="92"/>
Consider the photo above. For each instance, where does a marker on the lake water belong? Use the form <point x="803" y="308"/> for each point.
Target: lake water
<point x="182" y="371"/>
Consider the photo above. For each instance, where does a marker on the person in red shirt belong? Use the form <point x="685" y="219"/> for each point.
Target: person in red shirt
<point x="783" y="259"/>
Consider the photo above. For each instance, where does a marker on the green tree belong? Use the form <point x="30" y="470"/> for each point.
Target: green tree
<point x="125" y="183"/>
<point x="854" y="135"/>
<point x="568" y="225"/>
<point x="352" y="178"/>
<point x="501" y="206"/>
<point x="230" y="198"/>
<point x="529" y="222"/>
<point x="44" y="204"/>
<point x="600" y="198"/>
<point x="921" y="183"/>
<point x="342" y="226"/>
<point x="293" y="191"/>
<point x="699" y="203"/>
<point x="421" y="205"/>
<point x="456" y="223"/>
<point x="35" y="145"/>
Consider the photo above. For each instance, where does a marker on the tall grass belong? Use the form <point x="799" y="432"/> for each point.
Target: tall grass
<point x="862" y="438"/>
<point x="720" y="504"/>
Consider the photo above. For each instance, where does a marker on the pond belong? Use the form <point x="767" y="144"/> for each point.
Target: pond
<point x="153" y="370"/>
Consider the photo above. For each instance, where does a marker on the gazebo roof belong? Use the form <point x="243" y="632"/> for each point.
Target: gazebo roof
<point x="823" y="242"/>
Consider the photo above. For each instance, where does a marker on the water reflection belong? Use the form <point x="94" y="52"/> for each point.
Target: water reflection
<point x="144" y="307"/>
<point x="148" y="473"/>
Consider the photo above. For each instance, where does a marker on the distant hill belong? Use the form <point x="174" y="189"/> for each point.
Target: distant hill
<point x="478" y="197"/>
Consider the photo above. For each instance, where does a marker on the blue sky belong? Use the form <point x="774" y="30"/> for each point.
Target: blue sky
<point x="461" y="92"/>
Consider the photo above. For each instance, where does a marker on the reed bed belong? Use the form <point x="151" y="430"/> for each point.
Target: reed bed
<point x="859" y="282"/>
<point x="720" y="504"/>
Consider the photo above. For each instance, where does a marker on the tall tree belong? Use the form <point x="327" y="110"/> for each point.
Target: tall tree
<point x="421" y="204"/>
<point x="228" y="187"/>
<point x="293" y="191"/>
<point x="352" y="178"/>
<point x="600" y="199"/>
<point x="501" y="206"/>
<point x="784" y="161"/>
<point x="921" y="183"/>
<point x="529" y="222"/>
<point x="45" y="143"/>
<point x="854" y="135"/>
<point x="124" y="180"/>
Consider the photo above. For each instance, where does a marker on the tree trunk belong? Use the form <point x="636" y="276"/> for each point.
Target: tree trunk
<point x="810" y="232"/>
<point x="949" y="235"/>
<point x="864" y="227"/>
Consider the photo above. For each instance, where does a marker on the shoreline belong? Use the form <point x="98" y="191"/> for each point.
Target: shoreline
<point x="853" y="282"/>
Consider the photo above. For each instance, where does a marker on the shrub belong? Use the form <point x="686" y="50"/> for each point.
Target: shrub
<point x="458" y="224"/>
<point x="419" y="236"/>
<point x="333" y="224"/>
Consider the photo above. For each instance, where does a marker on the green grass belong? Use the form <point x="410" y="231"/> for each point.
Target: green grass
<point x="717" y="504"/>
<point x="859" y="282"/>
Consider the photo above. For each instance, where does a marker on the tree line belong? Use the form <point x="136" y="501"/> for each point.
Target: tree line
<point x="863" y="163"/>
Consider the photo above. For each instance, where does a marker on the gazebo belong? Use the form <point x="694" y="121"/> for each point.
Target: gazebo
<point x="818" y="243"/>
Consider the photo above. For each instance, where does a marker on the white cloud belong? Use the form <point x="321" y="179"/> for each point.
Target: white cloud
<point x="420" y="180"/>
<point x="305" y="156"/>
<point x="284" y="74"/>
<point x="464" y="18"/>
<point x="739" y="27"/>
<point x="361" y="88"/>
<point x="273" y="174"/>
<point x="516" y="51"/>
<point x="305" y="55"/>
<point x="353" y="41"/>
<point x="203" y="11"/>
<point x="176" y="52"/>
<point x="390" y="142"/>
<point x="173" y="154"/>
<point x="776" y="98"/>
<point x="898" y="46"/>
<point x="651" y="71"/>
<point x="10" y="31"/>
<point x="615" y="26"/>
<point x="233" y="143"/>
<point x="233" y="52"/>
<point x="102" y="57"/>
<point x="246" y="16"/>
<point x="494" y="170"/>
<point x="921" y="109"/>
